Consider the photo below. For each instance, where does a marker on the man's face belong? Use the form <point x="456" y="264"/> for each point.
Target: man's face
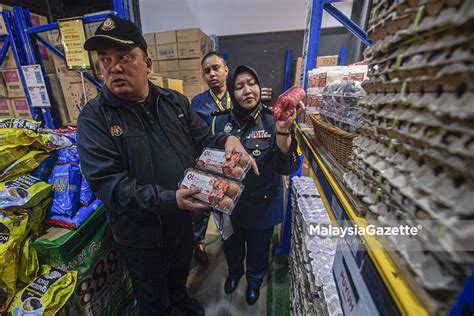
<point x="214" y="72"/>
<point x="125" y="72"/>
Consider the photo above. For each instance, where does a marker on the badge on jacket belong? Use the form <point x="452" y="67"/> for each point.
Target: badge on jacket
<point x="228" y="128"/>
<point x="116" y="130"/>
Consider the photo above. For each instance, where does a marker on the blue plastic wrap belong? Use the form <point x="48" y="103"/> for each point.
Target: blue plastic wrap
<point x="44" y="170"/>
<point x="68" y="155"/>
<point x="81" y="216"/>
<point x="87" y="196"/>
<point x="67" y="186"/>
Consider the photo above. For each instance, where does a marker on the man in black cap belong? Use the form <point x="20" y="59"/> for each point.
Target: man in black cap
<point x="135" y="141"/>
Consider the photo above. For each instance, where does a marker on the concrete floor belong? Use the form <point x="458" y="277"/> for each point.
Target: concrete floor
<point x="206" y="283"/>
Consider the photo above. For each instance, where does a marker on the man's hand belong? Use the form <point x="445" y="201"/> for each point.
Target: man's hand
<point x="186" y="201"/>
<point x="233" y="145"/>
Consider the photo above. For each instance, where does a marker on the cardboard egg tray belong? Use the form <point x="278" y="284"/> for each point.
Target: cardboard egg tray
<point x="398" y="28"/>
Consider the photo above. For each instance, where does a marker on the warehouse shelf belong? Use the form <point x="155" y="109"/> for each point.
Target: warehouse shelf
<point x="342" y="206"/>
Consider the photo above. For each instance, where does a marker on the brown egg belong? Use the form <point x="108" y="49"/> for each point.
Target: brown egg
<point x="237" y="172"/>
<point x="227" y="170"/>
<point x="213" y="200"/>
<point x="244" y="160"/>
<point x="235" y="157"/>
<point x="201" y="164"/>
<point x="226" y="203"/>
<point x="233" y="189"/>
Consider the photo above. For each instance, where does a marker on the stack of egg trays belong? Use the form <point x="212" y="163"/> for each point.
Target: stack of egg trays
<point x="313" y="290"/>
<point x="415" y="159"/>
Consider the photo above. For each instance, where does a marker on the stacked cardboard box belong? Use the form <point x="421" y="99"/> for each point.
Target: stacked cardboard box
<point x="13" y="100"/>
<point x="177" y="54"/>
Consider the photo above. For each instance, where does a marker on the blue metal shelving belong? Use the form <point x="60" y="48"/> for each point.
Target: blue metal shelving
<point x="22" y="38"/>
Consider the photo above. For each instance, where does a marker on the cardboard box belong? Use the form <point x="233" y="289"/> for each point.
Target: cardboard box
<point x="191" y="77"/>
<point x="61" y="69"/>
<point x="167" y="51"/>
<point x="192" y="50"/>
<point x="46" y="55"/>
<point x="174" y="84"/>
<point x="74" y="95"/>
<point x="323" y="61"/>
<point x="190" y="35"/>
<point x="156" y="79"/>
<point x="194" y="89"/>
<point x="3" y="88"/>
<point x="58" y="99"/>
<point x="21" y="108"/>
<point x="3" y="29"/>
<point x="167" y="37"/>
<point x="171" y="74"/>
<point x="299" y="61"/>
<point x="6" y="109"/>
<point x="13" y="83"/>
<point x="149" y="39"/>
<point x="190" y="64"/>
<point x="168" y="65"/>
<point x="151" y="51"/>
<point x="9" y="61"/>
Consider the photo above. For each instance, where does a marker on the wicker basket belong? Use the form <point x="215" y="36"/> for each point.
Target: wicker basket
<point x="336" y="141"/>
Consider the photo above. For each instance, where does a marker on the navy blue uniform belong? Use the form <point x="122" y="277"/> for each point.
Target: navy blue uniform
<point x="260" y="207"/>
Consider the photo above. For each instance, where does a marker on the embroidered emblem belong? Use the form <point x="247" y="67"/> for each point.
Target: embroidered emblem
<point x="228" y="128"/>
<point x="116" y="131"/>
<point x="108" y="25"/>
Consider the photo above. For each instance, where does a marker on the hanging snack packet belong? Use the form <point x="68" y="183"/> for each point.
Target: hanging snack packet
<point x="67" y="186"/>
<point x="87" y="196"/>
<point x="46" y="294"/>
<point x="24" y="165"/>
<point x="214" y="160"/>
<point x="287" y="102"/>
<point x="220" y="193"/>
<point x="13" y="230"/>
<point x="9" y="155"/>
<point x="24" y="191"/>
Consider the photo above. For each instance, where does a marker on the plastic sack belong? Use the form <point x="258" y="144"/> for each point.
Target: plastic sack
<point x="287" y="102"/>
<point x="46" y="294"/>
<point x="67" y="185"/>
<point x="24" y="164"/>
<point x="81" y="216"/>
<point x="24" y="191"/>
<point x="86" y="196"/>
<point x="45" y="168"/>
<point x="9" y="155"/>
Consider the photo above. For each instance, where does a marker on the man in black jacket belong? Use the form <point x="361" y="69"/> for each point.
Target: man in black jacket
<point x="135" y="141"/>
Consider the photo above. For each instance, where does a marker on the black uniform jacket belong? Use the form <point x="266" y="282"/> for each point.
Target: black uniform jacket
<point x="116" y="160"/>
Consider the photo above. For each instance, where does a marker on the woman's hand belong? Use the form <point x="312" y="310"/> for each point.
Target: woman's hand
<point x="284" y="126"/>
<point x="233" y="145"/>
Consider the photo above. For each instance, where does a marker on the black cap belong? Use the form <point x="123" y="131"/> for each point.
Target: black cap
<point x="116" y="32"/>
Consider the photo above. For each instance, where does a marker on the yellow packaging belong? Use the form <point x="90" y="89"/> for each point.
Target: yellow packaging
<point x="36" y="216"/>
<point x="24" y="191"/>
<point x="25" y="164"/>
<point x="9" y="155"/>
<point x="28" y="266"/>
<point x="50" y="141"/>
<point x="46" y="294"/>
<point x="19" y="123"/>
<point x="14" y="137"/>
<point x="12" y="233"/>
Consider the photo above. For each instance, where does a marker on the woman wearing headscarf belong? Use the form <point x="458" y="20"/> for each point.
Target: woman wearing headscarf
<point x="260" y="207"/>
